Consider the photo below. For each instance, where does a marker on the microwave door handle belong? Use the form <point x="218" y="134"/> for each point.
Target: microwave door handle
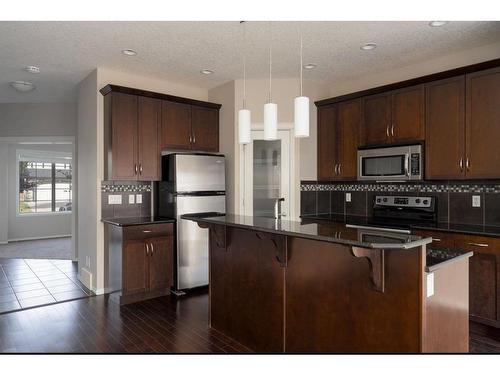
<point x="407" y="167"/>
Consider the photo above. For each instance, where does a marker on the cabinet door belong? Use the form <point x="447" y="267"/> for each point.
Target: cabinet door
<point x="205" y="125"/>
<point x="327" y="136"/>
<point x="376" y="119"/>
<point x="135" y="268"/>
<point x="149" y="151"/>
<point x="123" y="136"/>
<point x="161" y="263"/>
<point x="445" y="129"/>
<point x="483" y="124"/>
<point x="407" y="122"/>
<point x="175" y="126"/>
<point x="348" y="123"/>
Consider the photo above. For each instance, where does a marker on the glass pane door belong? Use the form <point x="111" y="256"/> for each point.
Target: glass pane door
<point x="267" y="174"/>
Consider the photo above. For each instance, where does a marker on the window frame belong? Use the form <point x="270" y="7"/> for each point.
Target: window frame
<point x="39" y="214"/>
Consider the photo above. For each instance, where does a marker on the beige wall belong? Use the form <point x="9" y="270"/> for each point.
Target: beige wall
<point x="224" y="95"/>
<point x="91" y="160"/>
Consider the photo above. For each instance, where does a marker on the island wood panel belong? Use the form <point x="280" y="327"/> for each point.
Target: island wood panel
<point x="483" y="124"/>
<point x="343" y="313"/>
<point x="149" y="113"/>
<point x="123" y="143"/>
<point x="257" y="280"/>
<point x="446" y="313"/>
<point x="445" y="129"/>
<point x="407" y="122"/>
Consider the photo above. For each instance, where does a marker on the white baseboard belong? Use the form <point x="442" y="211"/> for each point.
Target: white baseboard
<point x="37" y="238"/>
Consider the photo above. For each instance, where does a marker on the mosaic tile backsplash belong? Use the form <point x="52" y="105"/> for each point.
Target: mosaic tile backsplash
<point x="454" y="199"/>
<point x="125" y="209"/>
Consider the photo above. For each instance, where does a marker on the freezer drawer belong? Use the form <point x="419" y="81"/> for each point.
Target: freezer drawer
<point x="198" y="173"/>
<point x="192" y="241"/>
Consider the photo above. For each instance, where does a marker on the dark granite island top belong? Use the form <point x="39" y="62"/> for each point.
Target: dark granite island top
<point x="287" y="286"/>
<point x="328" y="232"/>
<point x="141" y="220"/>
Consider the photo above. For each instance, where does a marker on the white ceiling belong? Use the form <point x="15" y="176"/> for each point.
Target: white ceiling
<point x="67" y="51"/>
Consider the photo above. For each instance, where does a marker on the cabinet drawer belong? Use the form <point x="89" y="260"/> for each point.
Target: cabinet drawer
<point x="439" y="239"/>
<point x="139" y="232"/>
<point x="478" y="244"/>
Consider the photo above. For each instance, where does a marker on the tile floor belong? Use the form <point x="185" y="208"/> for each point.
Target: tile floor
<point x="27" y="283"/>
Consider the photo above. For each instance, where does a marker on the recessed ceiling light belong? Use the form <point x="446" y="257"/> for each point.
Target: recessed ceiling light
<point x="129" y="52"/>
<point x="437" y="23"/>
<point x="206" y="71"/>
<point x="310" y="66"/>
<point x="368" y="47"/>
<point x="32" y="69"/>
<point x="22" y="86"/>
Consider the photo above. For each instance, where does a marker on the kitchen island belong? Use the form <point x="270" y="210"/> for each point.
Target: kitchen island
<point x="283" y="286"/>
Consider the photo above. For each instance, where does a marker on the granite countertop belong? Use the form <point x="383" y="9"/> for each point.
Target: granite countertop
<point x="129" y="221"/>
<point x="437" y="258"/>
<point x="473" y="229"/>
<point x="329" y="232"/>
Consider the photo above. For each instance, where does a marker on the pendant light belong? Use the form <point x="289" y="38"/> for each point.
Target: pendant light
<point x="270" y="108"/>
<point x="301" y="128"/>
<point x="244" y="116"/>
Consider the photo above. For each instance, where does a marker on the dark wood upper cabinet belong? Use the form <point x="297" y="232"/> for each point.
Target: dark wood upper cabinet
<point x="327" y="135"/>
<point x="349" y="126"/>
<point x="483" y="124"/>
<point x="445" y="129"/>
<point x="121" y="130"/>
<point x="407" y="122"/>
<point x="205" y="129"/>
<point x="148" y="132"/>
<point x="376" y="119"/>
<point x="176" y="126"/>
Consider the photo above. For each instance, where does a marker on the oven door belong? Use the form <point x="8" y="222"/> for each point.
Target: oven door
<point x="385" y="164"/>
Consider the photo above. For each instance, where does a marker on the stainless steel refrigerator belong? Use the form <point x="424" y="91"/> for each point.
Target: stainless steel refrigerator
<point x="192" y="183"/>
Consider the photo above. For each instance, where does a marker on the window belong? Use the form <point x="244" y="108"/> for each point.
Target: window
<point x="44" y="187"/>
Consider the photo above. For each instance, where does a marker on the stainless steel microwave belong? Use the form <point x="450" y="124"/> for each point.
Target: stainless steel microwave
<point x="399" y="163"/>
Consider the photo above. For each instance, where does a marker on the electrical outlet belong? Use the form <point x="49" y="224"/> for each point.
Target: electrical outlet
<point x="131" y="198"/>
<point x="430" y="284"/>
<point x="476" y="201"/>
<point x="347" y="197"/>
<point x="114" y="199"/>
<point x="138" y="198"/>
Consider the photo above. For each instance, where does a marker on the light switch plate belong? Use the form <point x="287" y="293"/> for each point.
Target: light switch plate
<point x="347" y="197"/>
<point x="430" y="284"/>
<point x="131" y="198"/>
<point x="138" y="198"/>
<point x="114" y="199"/>
<point x="476" y="201"/>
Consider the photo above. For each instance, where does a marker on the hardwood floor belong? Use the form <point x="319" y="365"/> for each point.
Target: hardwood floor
<point x="163" y="325"/>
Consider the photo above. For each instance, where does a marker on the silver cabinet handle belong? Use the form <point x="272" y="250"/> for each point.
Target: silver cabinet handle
<point x="436" y="239"/>
<point x="340" y="169"/>
<point x="478" y="244"/>
<point x="461" y="164"/>
<point x="152" y="249"/>
<point x="467" y="163"/>
<point x="190" y="138"/>
<point x="336" y="169"/>
<point x="387" y="130"/>
<point x="140" y="168"/>
<point x="135" y="168"/>
<point x="392" y="130"/>
<point x="147" y="249"/>
<point x="194" y="138"/>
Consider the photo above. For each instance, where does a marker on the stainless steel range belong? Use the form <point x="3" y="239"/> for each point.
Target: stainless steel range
<point x="397" y="213"/>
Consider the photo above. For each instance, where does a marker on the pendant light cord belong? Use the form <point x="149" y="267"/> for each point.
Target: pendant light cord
<point x="301" y="64"/>
<point x="244" y="65"/>
<point x="270" y="61"/>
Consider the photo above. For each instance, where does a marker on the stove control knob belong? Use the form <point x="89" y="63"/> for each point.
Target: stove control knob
<point x="425" y="201"/>
<point x="378" y="200"/>
<point x="385" y="199"/>
<point x="417" y="201"/>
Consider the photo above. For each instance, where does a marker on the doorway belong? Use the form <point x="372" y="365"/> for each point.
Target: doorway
<point x="268" y="174"/>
